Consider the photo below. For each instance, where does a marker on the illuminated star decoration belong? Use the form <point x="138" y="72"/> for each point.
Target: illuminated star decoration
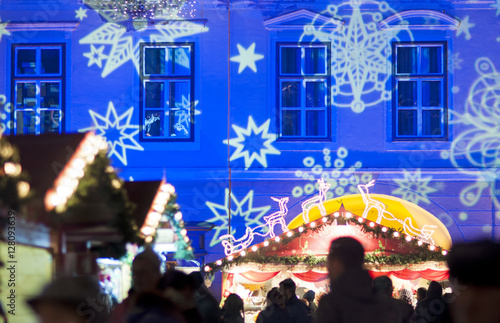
<point x="81" y="13"/>
<point x="414" y="188"/>
<point x="243" y="209"/>
<point x="117" y="130"/>
<point x="464" y="27"/>
<point x="253" y="143"/>
<point x="95" y="56"/>
<point x="246" y="58"/>
<point x="3" y="30"/>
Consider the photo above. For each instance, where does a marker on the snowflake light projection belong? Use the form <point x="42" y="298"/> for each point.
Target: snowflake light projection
<point x="479" y="145"/>
<point x="413" y="187"/>
<point x="117" y="130"/>
<point x="360" y="68"/>
<point x="243" y="209"/>
<point x="5" y="110"/>
<point x="253" y="143"/>
<point x="342" y="180"/>
<point x="124" y="48"/>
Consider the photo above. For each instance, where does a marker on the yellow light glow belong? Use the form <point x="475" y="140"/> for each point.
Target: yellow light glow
<point x="23" y="188"/>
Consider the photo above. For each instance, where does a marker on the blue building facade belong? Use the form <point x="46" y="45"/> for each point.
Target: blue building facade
<point x="235" y="102"/>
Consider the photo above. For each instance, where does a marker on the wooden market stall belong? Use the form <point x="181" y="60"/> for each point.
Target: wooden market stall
<point x="300" y="253"/>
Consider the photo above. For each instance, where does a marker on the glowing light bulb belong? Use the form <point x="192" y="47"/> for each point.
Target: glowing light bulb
<point x="289" y="234"/>
<point x="207" y="269"/>
<point x="360" y="220"/>
<point x="396" y="234"/>
<point x="277" y="239"/>
<point x="218" y="262"/>
<point x="408" y="238"/>
<point x="336" y="214"/>
<point x="384" y="229"/>
<point x="266" y="243"/>
<point x="312" y="225"/>
<point x="444" y="252"/>
<point x="324" y="219"/>
<point x="372" y="224"/>
<point x="301" y="229"/>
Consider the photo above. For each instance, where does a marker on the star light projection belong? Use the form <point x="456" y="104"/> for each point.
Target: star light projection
<point x="117" y="130"/>
<point x="3" y="29"/>
<point x="476" y="150"/>
<point x="244" y="209"/>
<point x="95" y="56"/>
<point x="361" y="68"/>
<point x="253" y="143"/>
<point x="414" y="188"/>
<point x="125" y="48"/>
<point x="246" y="58"/>
<point x="465" y="27"/>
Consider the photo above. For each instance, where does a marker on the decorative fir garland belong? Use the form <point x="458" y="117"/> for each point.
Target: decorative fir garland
<point x="423" y="251"/>
<point x="100" y="180"/>
<point x="14" y="187"/>
<point x="183" y="243"/>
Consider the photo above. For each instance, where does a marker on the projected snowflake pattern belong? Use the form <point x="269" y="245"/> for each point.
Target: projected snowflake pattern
<point x="5" y="110"/>
<point x="361" y="71"/>
<point x="81" y="13"/>
<point x="123" y="48"/>
<point x="413" y="187"/>
<point x="479" y="145"/>
<point x="244" y="209"/>
<point x="253" y="143"/>
<point x="342" y="180"/>
<point x="117" y="130"/>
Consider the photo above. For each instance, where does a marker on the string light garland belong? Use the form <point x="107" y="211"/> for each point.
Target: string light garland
<point x="256" y="254"/>
<point x="140" y="10"/>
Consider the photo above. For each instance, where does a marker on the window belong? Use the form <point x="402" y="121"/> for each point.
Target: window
<point x="420" y="78"/>
<point x="167" y="92"/>
<point x="303" y="83"/>
<point x="38" y="83"/>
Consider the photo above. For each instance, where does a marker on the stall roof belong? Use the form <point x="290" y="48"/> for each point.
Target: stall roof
<point x="44" y="156"/>
<point x="313" y="239"/>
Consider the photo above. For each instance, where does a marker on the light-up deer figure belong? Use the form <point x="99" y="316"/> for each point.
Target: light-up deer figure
<point x="317" y="200"/>
<point x="424" y="234"/>
<point x="232" y="245"/>
<point x="369" y="202"/>
<point x="277" y="217"/>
